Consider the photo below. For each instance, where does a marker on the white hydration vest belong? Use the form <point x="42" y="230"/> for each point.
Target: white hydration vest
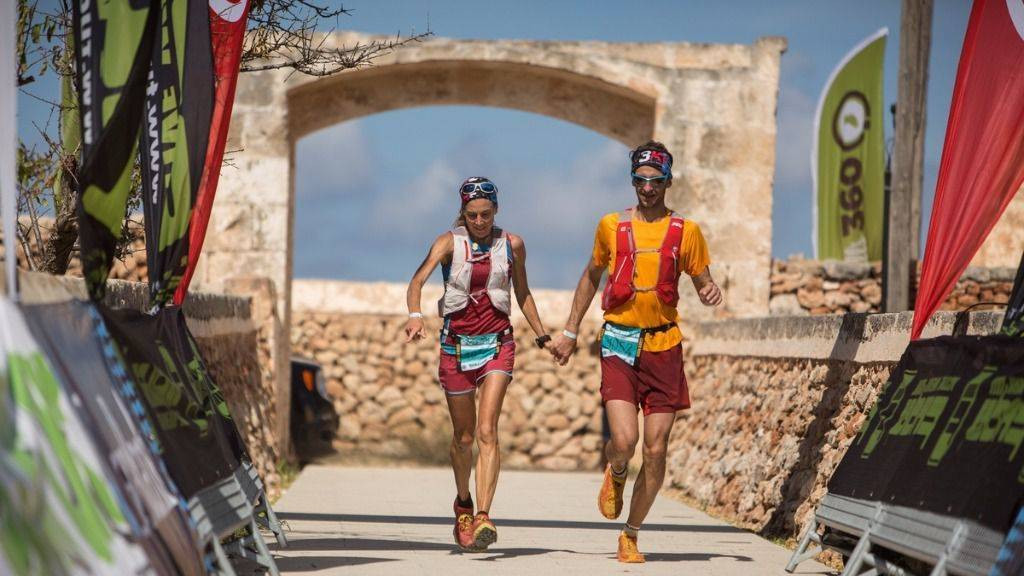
<point x="456" y="288"/>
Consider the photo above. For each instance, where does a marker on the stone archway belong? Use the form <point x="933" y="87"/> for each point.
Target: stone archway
<point x="712" y="105"/>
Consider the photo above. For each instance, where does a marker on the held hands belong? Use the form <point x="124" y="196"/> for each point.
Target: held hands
<point x="414" y="329"/>
<point x="710" y="294"/>
<point x="562" y="348"/>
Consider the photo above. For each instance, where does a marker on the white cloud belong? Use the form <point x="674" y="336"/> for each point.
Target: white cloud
<point x="426" y="199"/>
<point x="320" y="154"/>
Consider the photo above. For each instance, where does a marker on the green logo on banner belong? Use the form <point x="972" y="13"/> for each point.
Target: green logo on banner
<point x="848" y="160"/>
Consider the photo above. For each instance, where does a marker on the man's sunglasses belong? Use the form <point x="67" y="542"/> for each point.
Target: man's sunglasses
<point x="653" y="180"/>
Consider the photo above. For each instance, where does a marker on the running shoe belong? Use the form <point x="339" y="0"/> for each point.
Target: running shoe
<point x="609" y="499"/>
<point x="463" y="531"/>
<point x="628" y="552"/>
<point x="484" y="532"/>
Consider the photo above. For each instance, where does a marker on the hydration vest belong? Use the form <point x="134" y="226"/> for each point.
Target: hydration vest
<point x="457" y="285"/>
<point x="621" y="286"/>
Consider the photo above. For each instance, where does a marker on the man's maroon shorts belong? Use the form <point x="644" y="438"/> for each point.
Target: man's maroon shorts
<point x="656" y="383"/>
<point x="455" y="382"/>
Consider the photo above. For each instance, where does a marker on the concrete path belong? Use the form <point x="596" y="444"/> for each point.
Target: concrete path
<point x="398" y="521"/>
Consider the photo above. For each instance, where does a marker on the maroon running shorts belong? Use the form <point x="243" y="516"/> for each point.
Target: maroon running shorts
<point x="656" y="383"/>
<point x="455" y="382"/>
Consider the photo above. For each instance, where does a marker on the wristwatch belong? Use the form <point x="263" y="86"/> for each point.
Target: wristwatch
<point x="541" y="341"/>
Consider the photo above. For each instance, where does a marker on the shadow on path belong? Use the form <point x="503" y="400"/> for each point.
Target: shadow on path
<point x="691" y="557"/>
<point x="498" y="553"/>
<point x="349" y="544"/>
<point x="518" y="523"/>
<point x="306" y="563"/>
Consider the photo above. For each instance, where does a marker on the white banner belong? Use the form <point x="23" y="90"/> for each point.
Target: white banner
<point x="8" y="138"/>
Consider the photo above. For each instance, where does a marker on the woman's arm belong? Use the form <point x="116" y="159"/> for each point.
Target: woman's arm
<point x="522" y="286"/>
<point x="440" y="251"/>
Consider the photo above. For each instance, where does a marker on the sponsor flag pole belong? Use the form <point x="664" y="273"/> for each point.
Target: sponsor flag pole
<point x="8" y="140"/>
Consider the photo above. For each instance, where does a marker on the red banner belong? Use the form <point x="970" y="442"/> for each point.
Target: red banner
<point x="983" y="155"/>
<point x="227" y="29"/>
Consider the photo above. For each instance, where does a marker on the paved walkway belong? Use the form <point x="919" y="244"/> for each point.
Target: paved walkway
<point x="398" y="521"/>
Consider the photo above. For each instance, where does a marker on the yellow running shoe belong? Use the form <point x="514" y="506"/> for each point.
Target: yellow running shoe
<point x="609" y="499"/>
<point x="628" y="552"/>
<point x="484" y="532"/>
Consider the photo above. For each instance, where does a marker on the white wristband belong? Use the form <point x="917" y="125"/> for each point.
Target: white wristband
<point x="415" y="314"/>
<point x="569" y="335"/>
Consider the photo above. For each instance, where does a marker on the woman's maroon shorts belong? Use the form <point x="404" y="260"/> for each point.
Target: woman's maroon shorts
<point x="456" y="382"/>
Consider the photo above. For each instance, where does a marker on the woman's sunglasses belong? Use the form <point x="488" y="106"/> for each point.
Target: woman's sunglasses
<point x="485" y="187"/>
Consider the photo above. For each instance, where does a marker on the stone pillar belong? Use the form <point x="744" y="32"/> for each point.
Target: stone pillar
<point x="720" y="126"/>
<point x="250" y="226"/>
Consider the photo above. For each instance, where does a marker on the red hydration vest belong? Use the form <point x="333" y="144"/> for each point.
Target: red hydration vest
<point x="620" y="287"/>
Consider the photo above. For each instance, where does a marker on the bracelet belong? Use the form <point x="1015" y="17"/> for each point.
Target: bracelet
<point x="569" y="335"/>
<point x="542" y="340"/>
<point x="415" y="314"/>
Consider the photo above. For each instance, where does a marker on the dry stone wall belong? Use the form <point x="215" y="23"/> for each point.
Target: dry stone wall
<point x="764" y="436"/>
<point x="389" y="401"/>
<point x="776" y="404"/>
<point x="801" y="287"/>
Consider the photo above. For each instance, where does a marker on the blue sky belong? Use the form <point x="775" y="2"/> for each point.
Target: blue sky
<point x="361" y="219"/>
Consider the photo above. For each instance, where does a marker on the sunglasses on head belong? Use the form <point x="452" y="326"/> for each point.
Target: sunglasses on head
<point x="653" y="180"/>
<point x="485" y="187"/>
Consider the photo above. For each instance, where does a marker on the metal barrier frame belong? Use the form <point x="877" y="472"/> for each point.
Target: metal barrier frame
<point x="955" y="547"/>
<point x="218" y="512"/>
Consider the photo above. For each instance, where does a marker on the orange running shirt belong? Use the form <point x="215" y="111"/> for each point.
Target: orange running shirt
<point x="646" y="310"/>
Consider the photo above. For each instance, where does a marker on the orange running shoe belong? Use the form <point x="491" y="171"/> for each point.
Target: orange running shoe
<point x="609" y="499"/>
<point x="484" y="532"/>
<point x="463" y="531"/>
<point x="628" y="552"/>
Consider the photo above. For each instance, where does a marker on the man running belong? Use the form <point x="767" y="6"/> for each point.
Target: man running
<point x="645" y="249"/>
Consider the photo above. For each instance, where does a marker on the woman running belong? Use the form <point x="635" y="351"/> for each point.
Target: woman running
<point x="479" y="262"/>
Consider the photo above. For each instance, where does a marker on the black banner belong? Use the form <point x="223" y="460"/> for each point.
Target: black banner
<point x="175" y="138"/>
<point x="113" y="43"/>
<point x="75" y="340"/>
<point x="1013" y="323"/>
<point x="187" y="408"/>
<point x="947" y="433"/>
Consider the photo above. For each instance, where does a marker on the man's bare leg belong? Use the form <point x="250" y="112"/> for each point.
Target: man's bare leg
<point x="488" y="462"/>
<point x="657" y="428"/>
<point x="462" y="409"/>
<point x="625" y="432"/>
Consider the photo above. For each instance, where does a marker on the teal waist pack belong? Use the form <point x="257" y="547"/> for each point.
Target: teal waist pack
<point x="622" y="341"/>
<point x="475" y="351"/>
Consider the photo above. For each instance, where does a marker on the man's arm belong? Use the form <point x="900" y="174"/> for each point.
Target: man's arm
<point x="707" y="290"/>
<point x="586" y="288"/>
